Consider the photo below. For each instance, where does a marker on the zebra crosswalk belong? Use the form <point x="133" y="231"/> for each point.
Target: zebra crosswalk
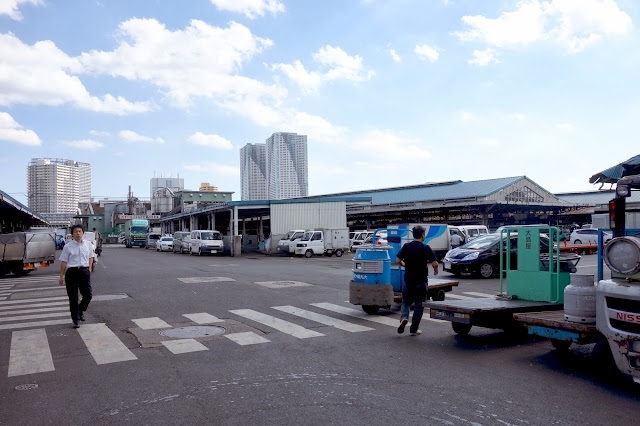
<point x="29" y="319"/>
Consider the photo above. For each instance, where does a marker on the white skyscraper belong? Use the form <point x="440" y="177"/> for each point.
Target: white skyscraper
<point x="253" y="179"/>
<point x="275" y="170"/>
<point x="55" y="185"/>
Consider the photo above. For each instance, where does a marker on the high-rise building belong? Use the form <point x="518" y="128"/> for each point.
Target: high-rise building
<point x="55" y="185"/>
<point x="253" y="179"/>
<point x="277" y="169"/>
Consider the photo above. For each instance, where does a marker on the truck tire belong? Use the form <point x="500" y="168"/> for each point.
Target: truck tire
<point x="338" y="253"/>
<point x="308" y="253"/>
<point x="561" y="345"/>
<point x="461" y="329"/>
<point x="439" y="296"/>
<point x="371" y="310"/>
<point x="18" y="271"/>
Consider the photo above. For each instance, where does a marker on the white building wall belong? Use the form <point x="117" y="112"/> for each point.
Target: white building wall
<point x="285" y="217"/>
<point x="57" y="186"/>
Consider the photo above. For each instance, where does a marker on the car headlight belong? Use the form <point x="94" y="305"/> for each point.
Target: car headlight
<point x="470" y="257"/>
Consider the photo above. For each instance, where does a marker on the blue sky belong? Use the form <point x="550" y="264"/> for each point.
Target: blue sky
<point x="389" y="93"/>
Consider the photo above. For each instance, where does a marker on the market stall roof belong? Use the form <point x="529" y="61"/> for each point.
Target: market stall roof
<point x="612" y="174"/>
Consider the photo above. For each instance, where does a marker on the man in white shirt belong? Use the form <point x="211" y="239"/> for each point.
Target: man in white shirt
<point x="76" y="263"/>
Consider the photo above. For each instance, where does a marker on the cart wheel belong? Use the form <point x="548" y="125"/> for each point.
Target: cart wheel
<point x="439" y="295"/>
<point x="460" y="328"/>
<point x="308" y="253"/>
<point x="561" y="345"/>
<point x="371" y="310"/>
<point x="338" y="253"/>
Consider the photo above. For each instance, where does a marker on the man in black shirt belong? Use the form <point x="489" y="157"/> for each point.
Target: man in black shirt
<point x="415" y="257"/>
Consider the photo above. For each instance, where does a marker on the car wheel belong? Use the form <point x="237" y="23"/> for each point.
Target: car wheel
<point x="371" y="310"/>
<point x="460" y="328"/>
<point x="486" y="270"/>
<point x="338" y="253"/>
<point x="577" y="242"/>
<point x="308" y="253"/>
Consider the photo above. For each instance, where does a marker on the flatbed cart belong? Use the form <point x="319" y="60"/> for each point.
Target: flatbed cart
<point x="561" y="332"/>
<point x="436" y="290"/>
<point x="496" y="313"/>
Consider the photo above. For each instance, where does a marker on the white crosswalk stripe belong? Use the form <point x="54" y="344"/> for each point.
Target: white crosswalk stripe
<point x="33" y="305"/>
<point x="459" y="297"/>
<point x="393" y="322"/>
<point x="202" y="318"/>
<point x="151" y="323"/>
<point x="34" y="324"/>
<point x="104" y="346"/>
<point x="30" y="353"/>
<point x="18" y="290"/>
<point x="44" y="299"/>
<point x="183" y="346"/>
<point x="246" y="338"/>
<point x="277" y="323"/>
<point x="323" y="319"/>
<point x="35" y="316"/>
<point x="31" y="311"/>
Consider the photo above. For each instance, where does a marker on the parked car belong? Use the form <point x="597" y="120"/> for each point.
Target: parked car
<point x="481" y="256"/>
<point x="472" y="231"/>
<point x="181" y="242"/>
<point x="205" y="241"/>
<point x="152" y="239"/>
<point x="360" y="239"/>
<point x="588" y="236"/>
<point x="121" y="238"/>
<point x="164" y="244"/>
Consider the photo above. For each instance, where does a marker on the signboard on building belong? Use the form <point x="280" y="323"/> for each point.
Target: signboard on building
<point x="138" y="216"/>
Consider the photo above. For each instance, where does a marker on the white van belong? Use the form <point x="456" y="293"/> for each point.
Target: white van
<point x="472" y="231"/>
<point x="205" y="241"/>
<point x="287" y="244"/>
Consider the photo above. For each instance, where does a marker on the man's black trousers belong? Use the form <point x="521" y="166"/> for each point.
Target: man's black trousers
<point x="78" y="279"/>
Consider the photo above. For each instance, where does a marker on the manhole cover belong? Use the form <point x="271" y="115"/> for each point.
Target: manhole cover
<point x="27" y="387"/>
<point x="193" y="331"/>
<point x="109" y="297"/>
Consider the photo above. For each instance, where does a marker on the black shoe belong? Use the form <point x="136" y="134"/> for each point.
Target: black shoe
<point x="402" y="325"/>
<point x="75" y="324"/>
<point x="81" y="316"/>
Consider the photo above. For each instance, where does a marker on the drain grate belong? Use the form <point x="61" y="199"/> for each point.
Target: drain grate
<point x="193" y="332"/>
<point x="26" y="387"/>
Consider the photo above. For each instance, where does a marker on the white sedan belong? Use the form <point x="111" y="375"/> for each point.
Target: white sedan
<point x="164" y="244"/>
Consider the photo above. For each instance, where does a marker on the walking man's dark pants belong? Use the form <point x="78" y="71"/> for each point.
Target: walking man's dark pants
<point x="78" y="279"/>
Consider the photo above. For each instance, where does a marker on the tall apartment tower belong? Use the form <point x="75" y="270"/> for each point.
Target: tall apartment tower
<point x="253" y="177"/>
<point x="55" y="185"/>
<point x="275" y="170"/>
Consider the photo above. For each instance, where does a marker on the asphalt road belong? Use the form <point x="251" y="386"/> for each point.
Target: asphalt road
<point x="276" y="360"/>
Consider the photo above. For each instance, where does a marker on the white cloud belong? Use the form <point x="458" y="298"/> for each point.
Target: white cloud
<point x="42" y="74"/>
<point x="341" y="66"/>
<point x="395" y="56"/>
<point x="572" y="24"/>
<point x="213" y="141"/>
<point x="11" y="131"/>
<point x="516" y="117"/>
<point x="426" y="52"/>
<point x="215" y="169"/>
<point x="88" y="144"/>
<point x="565" y="126"/>
<point x="131" y="136"/>
<point x="491" y="142"/>
<point x="250" y="8"/>
<point x="99" y="133"/>
<point x="482" y="58"/>
<point x="391" y="147"/>
<point x="10" y="7"/>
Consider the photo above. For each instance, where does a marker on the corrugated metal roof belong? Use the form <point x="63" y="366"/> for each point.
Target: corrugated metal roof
<point x="596" y="197"/>
<point x="446" y="191"/>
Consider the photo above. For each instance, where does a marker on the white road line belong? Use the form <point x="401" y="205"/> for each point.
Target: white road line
<point x="184" y="345"/>
<point x="202" y="318"/>
<point x="34" y="324"/>
<point x="276" y="323"/>
<point x="34" y="305"/>
<point x="323" y="319"/>
<point x="104" y="345"/>
<point x="246" y="338"/>
<point x="33" y="279"/>
<point x="206" y="280"/>
<point x="458" y="296"/>
<point x="31" y="311"/>
<point x="44" y="299"/>
<point x="35" y="316"/>
<point x="150" y="323"/>
<point x="393" y="322"/>
<point x="34" y="289"/>
<point x="29" y="353"/>
<point x="473" y="293"/>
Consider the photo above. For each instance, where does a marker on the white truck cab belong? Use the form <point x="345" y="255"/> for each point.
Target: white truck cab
<point x="327" y="241"/>
<point x="287" y="244"/>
